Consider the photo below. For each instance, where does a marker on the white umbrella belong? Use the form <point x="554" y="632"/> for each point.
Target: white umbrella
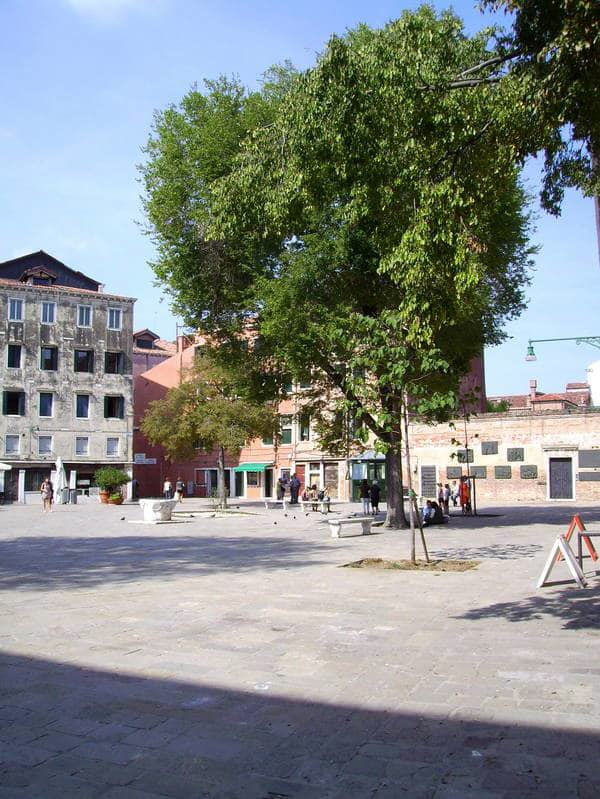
<point x="60" y="481"/>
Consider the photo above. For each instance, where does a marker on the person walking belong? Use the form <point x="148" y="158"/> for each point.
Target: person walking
<point x="446" y="503"/>
<point x="294" y="489"/>
<point x="179" y="489"/>
<point x="280" y="489"/>
<point x="168" y="489"/>
<point x="440" y="495"/>
<point x="47" y="492"/>
<point x="455" y="493"/>
<point x="375" y="495"/>
<point x="465" y="496"/>
<point x="365" y="495"/>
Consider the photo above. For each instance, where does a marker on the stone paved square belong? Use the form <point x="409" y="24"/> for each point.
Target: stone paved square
<point x="233" y="659"/>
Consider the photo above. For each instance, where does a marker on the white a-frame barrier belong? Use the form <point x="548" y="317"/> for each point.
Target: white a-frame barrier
<point x="561" y="547"/>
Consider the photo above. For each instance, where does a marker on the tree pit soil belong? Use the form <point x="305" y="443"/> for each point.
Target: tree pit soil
<point x="420" y="565"/>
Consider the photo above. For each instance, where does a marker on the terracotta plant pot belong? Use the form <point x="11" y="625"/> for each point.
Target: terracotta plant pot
<point x="104" y="495"/>
<point x="118" y="501"/>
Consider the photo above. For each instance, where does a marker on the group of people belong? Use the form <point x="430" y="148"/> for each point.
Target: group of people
<point x="370" y="495"/>
<point x="438" y="512"/>
<point x="174" y="493"/>
<point x="293" y="484"/>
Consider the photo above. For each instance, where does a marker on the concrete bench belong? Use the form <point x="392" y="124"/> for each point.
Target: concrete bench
<point x="337" y="525"/>
<point x="273" y="503"/>
<point x="324" y="504"/>
<point x="157" y="510"/>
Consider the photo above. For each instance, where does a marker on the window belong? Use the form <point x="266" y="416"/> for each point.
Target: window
<point x="46" y="402"/>
<point x="286" y="429"/>
<point x="82" y="406"/>
<point x="253" y="478"/>
<point x="49" y="359"/>
<point x="114" y="407"/>
<point x="34" y="478"/>
<point x="112" y="446"/>
<point x="114" y="318"/>
<point x="82" y="445"/>
<point x="84" y="360"/>
<point x="48" y="313"/>
<point x="15" y="310"/>
<point x="288" y="388"/>
<point x="113" y="363"/>
<point x="314" y="474"/>
<point x="13" y="403"/>
<point x="44" y="445"/>
<point x="84" y="316"/>
<point x="144" y="343"/>
<point x="11" y="445"/>
<point x="268" y="441"/>
<point x="14" y="356"/>
<point x="304" y="426"/>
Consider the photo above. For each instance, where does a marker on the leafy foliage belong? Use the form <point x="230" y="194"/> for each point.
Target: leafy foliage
<point x="109" y="478"/>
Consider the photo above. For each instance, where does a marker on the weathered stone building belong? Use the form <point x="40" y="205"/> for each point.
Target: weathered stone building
<point x="65" y="373"/>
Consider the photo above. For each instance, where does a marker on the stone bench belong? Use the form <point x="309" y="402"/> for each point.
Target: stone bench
<point x="324" y="504"/>
<point x="157" y="510"/>
<point x="336" y="525"/>
<point x="273" y="503"/>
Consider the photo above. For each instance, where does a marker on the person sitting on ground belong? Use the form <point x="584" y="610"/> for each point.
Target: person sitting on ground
<point x="427" y="512"/>
<point x="435" y="515"/>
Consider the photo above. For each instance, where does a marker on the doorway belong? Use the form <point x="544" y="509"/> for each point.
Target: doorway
<point x="268" y="483"/>
<point x="561" y="478"/>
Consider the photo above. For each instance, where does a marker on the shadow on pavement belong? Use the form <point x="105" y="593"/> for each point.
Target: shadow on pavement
<point x="496" y="551"/>
<point x="63" y="562"/>
<point x="579" y="608"/>
<point x="74" y="731"/>
<point x="559" y="516"/>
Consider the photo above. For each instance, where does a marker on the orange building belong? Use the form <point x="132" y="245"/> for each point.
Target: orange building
<point x="252" y="475"/>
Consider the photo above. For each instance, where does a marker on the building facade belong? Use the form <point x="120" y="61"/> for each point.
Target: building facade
<point x="66" y="375"/>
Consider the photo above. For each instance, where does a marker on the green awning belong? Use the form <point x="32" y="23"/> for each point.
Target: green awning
<point x="252" y="467"/>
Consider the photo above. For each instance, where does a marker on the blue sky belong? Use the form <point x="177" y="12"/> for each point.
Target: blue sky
<point x="79" y="81"/>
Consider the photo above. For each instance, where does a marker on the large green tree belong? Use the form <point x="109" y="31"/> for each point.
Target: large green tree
<point x="379" y="231"/>
<point x="207" y="412"/>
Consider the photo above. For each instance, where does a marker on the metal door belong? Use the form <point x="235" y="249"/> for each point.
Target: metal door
<point x="561" y="478"/>
<point x="268" y="482"/>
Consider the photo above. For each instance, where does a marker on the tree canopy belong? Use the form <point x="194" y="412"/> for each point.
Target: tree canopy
<point x="376" y="228"/>
<point x="206" y="412"/>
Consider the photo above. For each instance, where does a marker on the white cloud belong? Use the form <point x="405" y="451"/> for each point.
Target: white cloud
<point x="108" y="10"/>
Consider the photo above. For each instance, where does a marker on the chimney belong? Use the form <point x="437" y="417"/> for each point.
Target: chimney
<point x="183" y="343"/>
<point x="532" y="389"/>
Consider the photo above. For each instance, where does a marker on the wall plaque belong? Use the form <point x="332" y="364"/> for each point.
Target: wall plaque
<point x="515" y="454"/>
<point x="589" y="458"/>
<point x="479" y="472"/>
<point x="589" y="476"/>
<point x="489" y="447"/>
<point x="529" y="472"/>
<point x="462" y="455"/>
<point x="453" y="472"/>
<point x="502" y="472"/>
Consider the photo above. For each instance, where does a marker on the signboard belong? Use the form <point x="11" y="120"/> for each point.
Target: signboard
<point x="140" y="459"/>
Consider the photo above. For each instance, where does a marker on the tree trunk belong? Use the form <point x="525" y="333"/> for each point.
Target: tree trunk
<point x="396" y="518"/>
<point x="221" y="487"/>
<point x="411" y="504"/>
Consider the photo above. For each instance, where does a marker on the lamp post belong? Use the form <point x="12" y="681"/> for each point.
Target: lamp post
<point x="594" y="341"/>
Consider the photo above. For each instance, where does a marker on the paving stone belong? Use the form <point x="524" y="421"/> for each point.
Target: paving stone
<point x="235" y="659"/>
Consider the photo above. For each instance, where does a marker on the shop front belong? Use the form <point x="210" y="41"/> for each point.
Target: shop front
<point x="369" y="466"/>
<point x="254" y="480"/>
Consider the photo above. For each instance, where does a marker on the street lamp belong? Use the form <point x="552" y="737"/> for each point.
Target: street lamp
<point x="594" y="341"/>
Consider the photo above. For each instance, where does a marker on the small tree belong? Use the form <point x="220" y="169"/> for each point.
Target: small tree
<point x="207" y="411"/>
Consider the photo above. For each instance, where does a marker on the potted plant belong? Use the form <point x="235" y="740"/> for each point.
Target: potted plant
<point x="109" y="479"/>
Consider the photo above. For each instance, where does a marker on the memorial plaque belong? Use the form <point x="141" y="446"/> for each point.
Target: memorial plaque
<point x="479" y="471"/>
<point x="489" y="447"/>
<point x="502" y="472"/>
<point x="462" y="455"/>
<point x="589" y="476"/>
<point x="529" y="472"/>
<point x="515" y="454"/>
<point x="453" y="472"/>
<point x="589" y="458"/>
